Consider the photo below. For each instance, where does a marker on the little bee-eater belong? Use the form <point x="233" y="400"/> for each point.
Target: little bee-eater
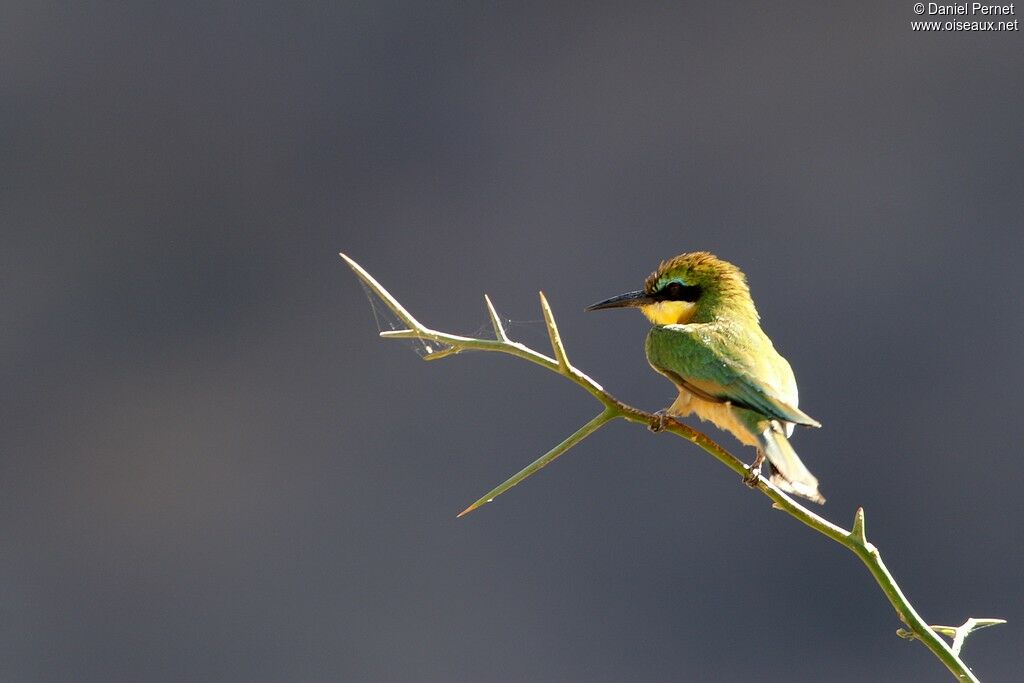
<point x="708" y="340"/>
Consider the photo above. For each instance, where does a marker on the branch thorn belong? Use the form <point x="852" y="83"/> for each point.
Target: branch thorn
<point x="858" y="527"/>
<point x="556" y="339"/>
<point x="499" y="331"/>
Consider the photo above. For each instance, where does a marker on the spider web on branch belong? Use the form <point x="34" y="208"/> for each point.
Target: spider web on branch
<point x="386" y="320"/>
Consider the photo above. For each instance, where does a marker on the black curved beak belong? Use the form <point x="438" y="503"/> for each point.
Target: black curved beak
<point x="629" y="299"/>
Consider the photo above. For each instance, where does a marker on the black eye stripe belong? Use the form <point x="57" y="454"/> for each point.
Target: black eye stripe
<point x="675" y="291"/>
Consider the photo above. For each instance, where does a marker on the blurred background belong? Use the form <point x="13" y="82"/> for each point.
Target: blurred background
<point x="213" y="469"/>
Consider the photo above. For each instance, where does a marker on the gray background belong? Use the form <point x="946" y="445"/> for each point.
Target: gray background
<point x="212" y="469"/>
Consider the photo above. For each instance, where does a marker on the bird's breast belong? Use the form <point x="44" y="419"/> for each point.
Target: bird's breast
<point x="722" y="415"/>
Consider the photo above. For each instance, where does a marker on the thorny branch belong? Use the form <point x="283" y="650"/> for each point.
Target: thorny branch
<point x="855" y="540"/>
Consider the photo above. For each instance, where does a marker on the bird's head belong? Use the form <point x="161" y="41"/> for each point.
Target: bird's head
<point x="693" y="287"/>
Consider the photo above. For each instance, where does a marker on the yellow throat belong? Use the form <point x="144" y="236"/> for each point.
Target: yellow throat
<point x="670" y="312"/>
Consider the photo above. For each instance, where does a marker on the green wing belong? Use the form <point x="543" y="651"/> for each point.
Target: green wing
<point x="722" y="365"/>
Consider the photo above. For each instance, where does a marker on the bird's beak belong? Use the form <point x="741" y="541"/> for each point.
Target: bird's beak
<point x="631" y="299"/>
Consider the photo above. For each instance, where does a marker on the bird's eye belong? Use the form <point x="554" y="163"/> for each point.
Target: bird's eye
<point x="677" y="291"/>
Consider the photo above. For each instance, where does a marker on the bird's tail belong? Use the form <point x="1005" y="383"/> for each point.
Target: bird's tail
<point x="790" y="474"/>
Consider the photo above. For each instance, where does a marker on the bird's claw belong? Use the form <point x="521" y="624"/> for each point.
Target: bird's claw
<point x="660" y="421"/>
<point x="754" y="471"/>
<point x="752" y="477"/>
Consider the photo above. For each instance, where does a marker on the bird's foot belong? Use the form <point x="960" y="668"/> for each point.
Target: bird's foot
<point x="754" y="471"/>
<point x="660" y="421"/>
<point x="751" y="478"/>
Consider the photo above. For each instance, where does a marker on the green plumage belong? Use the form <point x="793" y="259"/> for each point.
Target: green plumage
<point x="721" y="361"/>
<point x="708" y="340"/>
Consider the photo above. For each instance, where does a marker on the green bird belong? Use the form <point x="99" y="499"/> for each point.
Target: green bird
<point x="708" y="340"/>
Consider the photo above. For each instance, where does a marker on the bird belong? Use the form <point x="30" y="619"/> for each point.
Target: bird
<point x="706" y="338"/>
